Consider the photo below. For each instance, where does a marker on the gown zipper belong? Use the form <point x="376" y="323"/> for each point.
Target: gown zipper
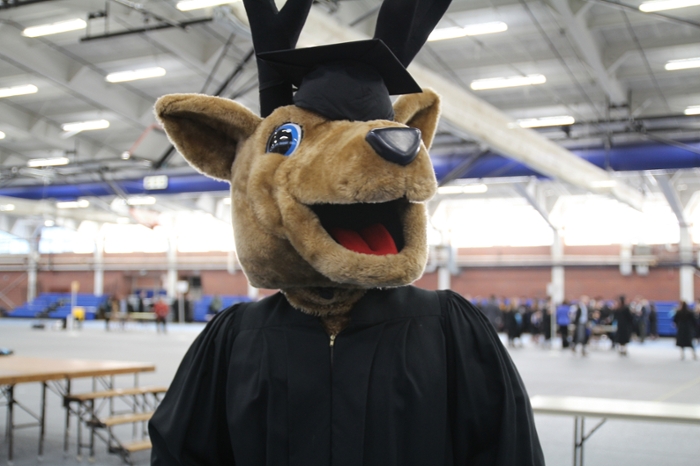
<point x="332" y="344"/>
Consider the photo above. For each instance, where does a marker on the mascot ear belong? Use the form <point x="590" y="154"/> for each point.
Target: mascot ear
<point x="206" y="130"/>
<point x="420" y="111"/>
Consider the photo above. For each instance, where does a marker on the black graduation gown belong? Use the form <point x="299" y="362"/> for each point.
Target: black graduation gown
<point x="685" y="328"/>
<point x="625" y="324"/>
<point x="417" y="378"/>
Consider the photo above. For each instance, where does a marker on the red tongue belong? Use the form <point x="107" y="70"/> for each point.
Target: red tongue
<point x="375" y="239"/>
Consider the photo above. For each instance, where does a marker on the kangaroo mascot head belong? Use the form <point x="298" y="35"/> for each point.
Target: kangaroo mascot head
<point x="328" y="188"/>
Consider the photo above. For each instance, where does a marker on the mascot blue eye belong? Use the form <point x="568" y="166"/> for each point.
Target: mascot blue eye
<point x="285" y="139"/>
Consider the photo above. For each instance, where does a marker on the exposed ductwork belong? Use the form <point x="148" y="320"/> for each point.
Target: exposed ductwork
<point x="488" y="165"/>
<point x="625" y="158"/>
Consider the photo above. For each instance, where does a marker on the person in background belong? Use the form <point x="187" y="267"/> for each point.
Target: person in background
<point x="563" y="324"/>
<point x="697" y="319"/>
<point x="161" y="310"/>
<point x="140" y="304"/>
<point x="607" y="318"/>
<point x="653" y="321"/>
<point x="547" y="323"/>
<point x="536" y="321"/>
<point x="525" y="310"/>
<point x="113" y="311"/>
<point x="643" y="318"/>
<point x="189" y="311"/>
<point x="123" y="312"/>
<point x="493" y="313"/>
<point x="625" y="325"/>
<point x="580" y="317"/>
<point x="685" y="322"/>
<point x="215" y="305"/>
<point x="513" y="322"/>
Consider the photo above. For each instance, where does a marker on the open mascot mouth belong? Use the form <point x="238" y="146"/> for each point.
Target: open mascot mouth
<point x="365" y="228"/>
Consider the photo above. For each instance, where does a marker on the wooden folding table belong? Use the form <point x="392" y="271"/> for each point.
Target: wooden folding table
<point x="55" y="374"/>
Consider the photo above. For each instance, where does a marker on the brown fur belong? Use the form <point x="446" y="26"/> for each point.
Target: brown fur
<point x="207" y="129"/>
<point x="279" y="240"/>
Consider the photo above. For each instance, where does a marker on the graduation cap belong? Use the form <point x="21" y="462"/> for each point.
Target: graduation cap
<point x="346" y="81"/>
<point x="351" y="80"/>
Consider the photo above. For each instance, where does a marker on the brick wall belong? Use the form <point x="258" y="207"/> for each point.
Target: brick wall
<point x="530" y="282"/>
<point x="13" y="286"/>
<point x="662" y="283"/>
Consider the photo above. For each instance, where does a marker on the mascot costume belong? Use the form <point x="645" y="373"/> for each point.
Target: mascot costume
<point x="348" y="364"/>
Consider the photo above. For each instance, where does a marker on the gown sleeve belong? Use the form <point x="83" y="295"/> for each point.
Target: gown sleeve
<point x="491" y="416"/>
<point x="189" y="426"/>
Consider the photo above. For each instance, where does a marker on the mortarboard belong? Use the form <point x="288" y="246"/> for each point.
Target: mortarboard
<point x="346" y="81"/>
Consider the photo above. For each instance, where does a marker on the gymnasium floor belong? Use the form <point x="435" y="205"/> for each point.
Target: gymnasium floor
<point x="652" y="371"/>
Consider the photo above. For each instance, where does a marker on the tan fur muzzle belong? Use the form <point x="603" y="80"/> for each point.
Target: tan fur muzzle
<point x="285" y="203"/>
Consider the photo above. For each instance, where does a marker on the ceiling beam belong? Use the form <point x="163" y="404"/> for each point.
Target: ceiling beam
<point x="29" y="125"/>
<point x="38" y="57"/>
<point x="486" y="123"/>
<point x="672" y="198"/>
<point x="530" y="198"/>
<point x="588" y="47"/>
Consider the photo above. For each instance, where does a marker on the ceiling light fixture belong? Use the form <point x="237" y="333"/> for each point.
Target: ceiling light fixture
<point x="135" y="75"/>
<point x="55" y="28"/>
<point x="563" y="120"/>
<point x="512" y="81"/>
<point x="463" y="189"/>
<point x="80" y="204"/>
<point x="188" y="5"/>
<point x="7" y="207"/>
<point x="155" y="182"/>
<point x="660" y="5"/>
<point x="684" y="64"/>
<point x="692" y="110"/>
<point x="50" y="162"/>
<point x="226" y="201"/>
<point x="79" y="126"/>
<point x="2" y="135"/>
<point x="49" y="223"/>
<point x="455" y="32"/>
<point x="18" y="90"/>
<point x="141" y="200"/>
<point x="604" y="184"/>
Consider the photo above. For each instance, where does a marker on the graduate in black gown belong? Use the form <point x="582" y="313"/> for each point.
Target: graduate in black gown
<point x="625" y="325"/>
<point x="348" y="364"/>
<point x="429" y="384"/>
<point x="684" y="320"/>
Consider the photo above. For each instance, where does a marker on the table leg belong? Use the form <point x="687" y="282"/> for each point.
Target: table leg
<point x="111" y="399"/>
<point x="42" y="420"/>
<point x="10" y="420"/>
<point x="579" y="439"/>
<point x="92" y="430"/>
<point x="66" y="434"/>
<point x="583" y="439"/>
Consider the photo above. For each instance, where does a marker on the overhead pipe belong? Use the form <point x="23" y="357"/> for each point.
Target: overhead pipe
<point x="158" y="27"/>
<point x="176" y="185"/>
<point x="623" y="158"/>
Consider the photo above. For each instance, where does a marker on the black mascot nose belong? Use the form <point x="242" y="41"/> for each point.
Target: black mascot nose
<point x="397" y="145"/>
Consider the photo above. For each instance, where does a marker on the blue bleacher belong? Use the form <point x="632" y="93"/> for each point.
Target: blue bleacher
<point x="201" y="307"/>
<point x="665" y="311"/>
<point x="89" y="302"/>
